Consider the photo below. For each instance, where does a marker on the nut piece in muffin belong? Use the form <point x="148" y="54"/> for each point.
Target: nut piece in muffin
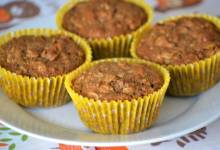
<point x="41" y="56"/>
<point x="182" y="41"/>
<point x="118" y="81"/>
<point x="95" y="19"/>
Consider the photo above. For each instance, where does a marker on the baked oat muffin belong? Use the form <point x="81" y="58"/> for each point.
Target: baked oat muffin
<point x="97" y="19"/>
<point x="182" y="41"/>
<point x="118" y="96"/>
<point x="41" y="56"/>
<point x="118" y="81"/>
<point x="34" y="64"/>
<point x="108" y="25"/>
<point x="188" y="46"/>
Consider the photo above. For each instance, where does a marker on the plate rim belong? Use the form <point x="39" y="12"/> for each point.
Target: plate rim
<point x="112" y="144"/>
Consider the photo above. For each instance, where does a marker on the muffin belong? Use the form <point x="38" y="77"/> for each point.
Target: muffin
<point x="108" y="25"/>
<point x="34" y="64"/>
<point x="118" y="96"/>
<point x="188" y="46"/>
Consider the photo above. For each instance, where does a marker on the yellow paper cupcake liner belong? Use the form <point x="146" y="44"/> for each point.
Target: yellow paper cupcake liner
<point x="118" y="116"/>
<point x="190" y="79"/>
<point x="117" y="46"/>
<point x="38" y="91"/>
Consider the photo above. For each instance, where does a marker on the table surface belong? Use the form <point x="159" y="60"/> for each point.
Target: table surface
<point x="206" y="138"/>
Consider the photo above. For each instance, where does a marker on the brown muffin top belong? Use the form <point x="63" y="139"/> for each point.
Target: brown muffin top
<point x="41" y="56"/>
<point x="118" y="81"/>
<point x="103" y="18"/>
<point x="182" y="41"/>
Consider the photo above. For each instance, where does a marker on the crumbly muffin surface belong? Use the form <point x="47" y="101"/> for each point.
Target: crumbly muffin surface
<point x="104" y="18"/>
<point x="41" y="56"/>
<point x="184" y="41"/>
<point x="118" y="81"/>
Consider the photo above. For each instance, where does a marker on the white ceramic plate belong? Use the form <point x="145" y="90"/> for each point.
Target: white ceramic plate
<point x="178" y="116"/>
